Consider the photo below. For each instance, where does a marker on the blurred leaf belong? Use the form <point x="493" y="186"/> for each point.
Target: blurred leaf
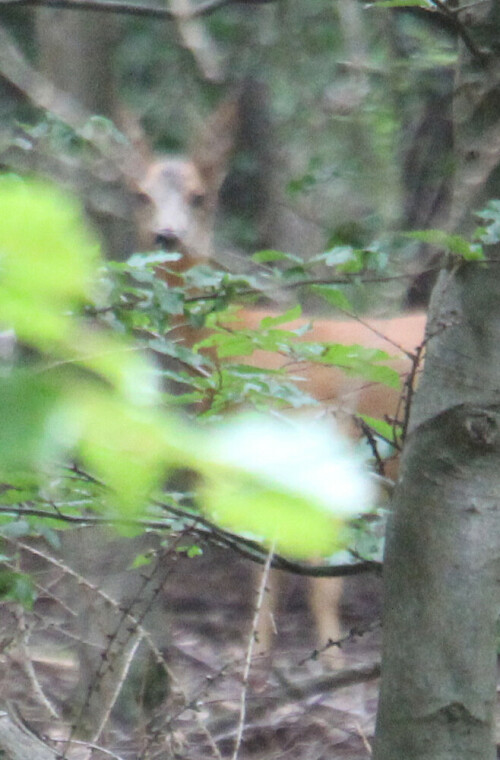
<point x="130" y="449"/>
<point x="291" y="485"/>
<point x="288" y="316"/>
<point x="354" y="359"/>
<point x="17" y="587"/>
<point x="403" y="4"/>
<point x="154" y="259"/>
<point x="263" y="257"/>
<point x="190" y="551"/>
<point x="489" y="234"/>
<point x="339" y="256"/>
<point x="16" y="529"/>
<point x="140" y="560"/>
<point x="382" y="428"/>
<point x="26" y="401"/>
<point x="333" y="295"/>
<point x="453" y="243"/>
<point x="47" y="265"/>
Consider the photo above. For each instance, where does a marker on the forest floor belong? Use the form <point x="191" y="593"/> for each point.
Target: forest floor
<point x="294" y="705"/>
<point x="297" y="705"/>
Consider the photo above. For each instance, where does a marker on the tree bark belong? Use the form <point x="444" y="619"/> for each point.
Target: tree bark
<point x="439" y="672"/>
<point x="75" y="52"/>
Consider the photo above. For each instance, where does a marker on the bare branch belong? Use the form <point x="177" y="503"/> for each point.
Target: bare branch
<point x="128" y="9"/>
<point x="18" y="741"/>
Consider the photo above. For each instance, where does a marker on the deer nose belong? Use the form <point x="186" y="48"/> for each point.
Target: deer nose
<point x="167" y="239"/>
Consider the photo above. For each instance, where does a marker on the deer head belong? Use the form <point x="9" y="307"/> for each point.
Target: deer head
<point x="180" y="193"/>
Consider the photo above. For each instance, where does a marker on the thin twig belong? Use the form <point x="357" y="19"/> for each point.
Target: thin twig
<point x="120" y="680"/>
<point x="90" y="745"/>
<point x="202" y="527"/>
<point x="27" y="665"/>
<point x="105" y="597"/>
<point x="249" y="656"/>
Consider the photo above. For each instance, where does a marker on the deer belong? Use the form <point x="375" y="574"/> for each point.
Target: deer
<point x="182" y="197"/>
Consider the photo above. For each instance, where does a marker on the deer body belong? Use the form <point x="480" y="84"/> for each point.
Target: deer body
<point x="183" y="196"/>
<point x="398" y="337"/>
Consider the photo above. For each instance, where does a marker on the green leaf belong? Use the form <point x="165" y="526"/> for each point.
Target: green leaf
<point x="263" y="257"/>
<point x="154" y="259"/>
<point x="228" y="344"/>
<point x="403" y="4"/>
<point x="140" y="560"/>
<point x="190" y="551"/>
<point x="489" y="234"/>
<point x="16" y="529"/>
<point x="47" y="265"/>
<point x="129" y="448"/>
<point x="355" y="359"/>
<point x="171" y="300"/>
<point x="339" y="256"/>
<point x="333" y="295"/>
<point x="49" y="534"/>
<point x="27" y="401"/>
<point x="380" y="427"/>
<point x="177" y="350"/>
<point x="456" y="244"/>
<point x="288" y="316"/>
<point x="17" y="587"/>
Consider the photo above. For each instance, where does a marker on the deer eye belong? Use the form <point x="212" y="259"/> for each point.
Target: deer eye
<point x="196" y="200"/>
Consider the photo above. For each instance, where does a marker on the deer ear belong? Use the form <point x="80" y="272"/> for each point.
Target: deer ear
<point x="141" y="156"/>
<point x="214" y="144"/>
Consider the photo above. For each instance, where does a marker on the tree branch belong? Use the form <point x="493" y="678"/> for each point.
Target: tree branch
<point x="454" y="22"/>
<point x="245" y="547"/>
<point x="129" y="9"/>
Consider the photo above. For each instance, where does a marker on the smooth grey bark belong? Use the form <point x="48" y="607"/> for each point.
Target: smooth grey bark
<point x="441" y="570"/>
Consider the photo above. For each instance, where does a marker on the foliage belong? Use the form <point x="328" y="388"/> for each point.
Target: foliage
<point x="80" y="389"/>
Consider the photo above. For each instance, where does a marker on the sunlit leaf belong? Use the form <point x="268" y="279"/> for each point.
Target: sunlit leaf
<point x="26" y="402"/>
<point x="290" y="485"/>
<point x="47" y="259"/>
<point x="131" y="449"/>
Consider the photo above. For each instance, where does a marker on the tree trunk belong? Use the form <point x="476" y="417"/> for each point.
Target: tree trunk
<point x="438" y="690"/>
<point x="76" y="49"/>
<point x="76" y="54"/>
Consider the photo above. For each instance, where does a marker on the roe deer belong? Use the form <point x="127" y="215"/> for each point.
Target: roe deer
<point x="183" y="195"/>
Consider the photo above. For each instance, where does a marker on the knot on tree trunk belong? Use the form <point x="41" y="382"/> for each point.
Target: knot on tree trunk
<point x="482" y="429"/>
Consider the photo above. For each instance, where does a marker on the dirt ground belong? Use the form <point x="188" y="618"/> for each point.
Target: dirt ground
<point x="292" y="703"/>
